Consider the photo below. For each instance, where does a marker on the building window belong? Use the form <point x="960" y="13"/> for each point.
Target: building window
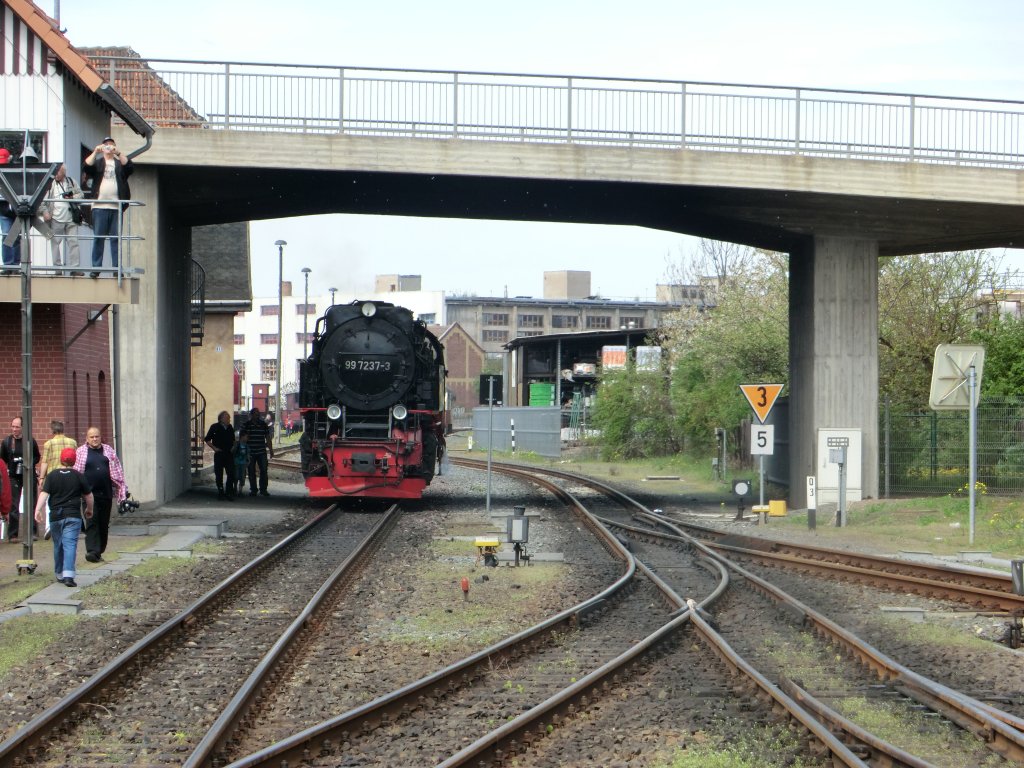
<point x="599" y="322"/>
<point x="268" y="370"/>
<point x="268" y="309"/>
<point x="495" y="318"/>
<point x="239" y="338"/>
<point x="429" y="317"/>
<point x="498" y="336"/>
<point x="240" y="368"/>
<point x="521" y="334"/>
<point x="268" y="338"/>
<point x="305" y="309"/>
<point x="565" y="321"/>
<point x="301" y="337"/>
<point x="631" y="321"/>
<point x="531" y="321"/>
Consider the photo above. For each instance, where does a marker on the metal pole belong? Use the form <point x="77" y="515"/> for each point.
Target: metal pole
<point x="305" y="315"/>
<point x="280" y="330"/>
<point x="972" y="388"/>
<point x="761" y="482"/>
<point x="28" y="464"/>
<point x="333" y="291"/>
<point x="490" y="435"/>
<point x="841" y="520"/>
<point x="115" y="365"/>
<point x="888" y="439"/>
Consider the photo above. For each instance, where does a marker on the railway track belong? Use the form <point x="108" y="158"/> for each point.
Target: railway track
<point x="983" y="590"/>
<point x="998" y="730"/>
<point x="395" y="713"/>
<point x="182" y="688"/>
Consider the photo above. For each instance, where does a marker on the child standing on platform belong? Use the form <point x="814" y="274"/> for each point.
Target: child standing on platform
<point x="241" y="462"/>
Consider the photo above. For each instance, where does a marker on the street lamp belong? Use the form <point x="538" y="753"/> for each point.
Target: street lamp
<point x="305" y="314"/>
<point x="333" y="291"/>
<point x="280" y="330"/>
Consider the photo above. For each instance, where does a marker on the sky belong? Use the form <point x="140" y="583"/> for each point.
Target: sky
<point x="964" y="48"/>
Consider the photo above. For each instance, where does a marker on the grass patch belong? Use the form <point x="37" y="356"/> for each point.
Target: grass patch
<point x="209" y="547"/>
<point x="930" y="635"/>
<point x="439" y="617"/>
<point x="27" y="637"/>
<point x="123" y="590"/>
<point x="14" y="589"/>
<point x="747" y="747"/>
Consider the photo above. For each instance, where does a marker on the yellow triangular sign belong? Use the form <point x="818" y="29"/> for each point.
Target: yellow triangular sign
<point x="761" y="397"/>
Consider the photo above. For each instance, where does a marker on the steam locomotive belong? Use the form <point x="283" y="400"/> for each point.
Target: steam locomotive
<point x="372" y="400"/>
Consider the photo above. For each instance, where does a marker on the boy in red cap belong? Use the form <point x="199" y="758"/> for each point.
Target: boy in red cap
<point x="67" y="489"/>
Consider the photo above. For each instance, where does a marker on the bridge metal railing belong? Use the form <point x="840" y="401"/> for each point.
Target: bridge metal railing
<point x="565" y="109"/>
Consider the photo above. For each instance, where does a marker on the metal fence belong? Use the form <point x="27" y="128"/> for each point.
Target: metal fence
<point x="537" y="430"/>
<point x="565" y="109"/>
<point x="928" y="453"/>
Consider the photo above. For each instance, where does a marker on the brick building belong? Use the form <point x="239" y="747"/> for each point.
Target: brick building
<point x="464" y="359"/>
<point x="71" y="378"/>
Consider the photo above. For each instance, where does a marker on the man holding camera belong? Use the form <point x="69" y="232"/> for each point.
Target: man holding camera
<point x="109" y="169"/>
<point x="105" y="475"/>
<point x="64" y="218"/>
<point x="11" y="451"/>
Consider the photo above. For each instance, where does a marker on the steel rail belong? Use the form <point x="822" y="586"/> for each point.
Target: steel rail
<point x="978" y="578"/>
<point x="229" y="720"/>
<point x="918" y="585"/>
<point x="492" y="745"/>
<point x="831" y="718"/>
<point x="14" y="749"/>
<point x="380" y="710"/>
<point x="1001" y="731"/>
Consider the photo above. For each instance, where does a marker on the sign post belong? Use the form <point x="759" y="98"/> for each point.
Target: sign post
<point x="762" y="436"/>
<point x="837" y="455"/>
<point x="812" y="504"/>
<point x="956" y="381"/>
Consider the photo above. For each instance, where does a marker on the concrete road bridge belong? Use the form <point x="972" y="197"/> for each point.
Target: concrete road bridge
<point x="833" y="178"/>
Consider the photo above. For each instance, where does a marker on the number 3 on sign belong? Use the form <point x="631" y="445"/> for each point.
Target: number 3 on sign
<point x="762" y="439"/>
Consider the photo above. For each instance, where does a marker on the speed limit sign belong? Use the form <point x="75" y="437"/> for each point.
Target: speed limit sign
<point x="762" y="439"/>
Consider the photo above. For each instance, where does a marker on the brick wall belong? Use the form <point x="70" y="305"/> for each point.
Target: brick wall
<point x="72" y="385"/>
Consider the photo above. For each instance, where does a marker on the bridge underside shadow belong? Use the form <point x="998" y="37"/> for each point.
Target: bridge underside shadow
<point x="834" y="225"/>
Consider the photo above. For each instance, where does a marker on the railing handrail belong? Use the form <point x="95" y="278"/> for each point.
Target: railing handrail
<point x="549" y="76"/>
<point x="579" y="110"/>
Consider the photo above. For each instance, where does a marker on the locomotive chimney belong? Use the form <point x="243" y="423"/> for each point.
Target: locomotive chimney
<point x="286" y="287"/>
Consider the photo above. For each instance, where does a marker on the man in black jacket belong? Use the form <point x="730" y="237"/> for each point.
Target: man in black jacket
<point x="109" y="169"/>
<point x="221" y="439"/>
<point x="12" y="452"/>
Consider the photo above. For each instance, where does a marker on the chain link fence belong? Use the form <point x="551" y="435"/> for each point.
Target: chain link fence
<point x="928" y="452"/>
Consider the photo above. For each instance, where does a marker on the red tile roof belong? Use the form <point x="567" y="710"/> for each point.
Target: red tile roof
<point x="143" y="88"/>
<point x="51" y="40"/>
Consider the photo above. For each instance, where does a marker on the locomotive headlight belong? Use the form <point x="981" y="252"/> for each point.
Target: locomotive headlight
<point x="369" y="309"/>
<point x="399" y="412"/>
<point x="333" y="411"/>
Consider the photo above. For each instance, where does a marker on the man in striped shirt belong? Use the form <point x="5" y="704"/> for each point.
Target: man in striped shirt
<point x="260" y="442"/>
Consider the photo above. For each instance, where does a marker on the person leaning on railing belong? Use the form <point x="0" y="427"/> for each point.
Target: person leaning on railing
<point x="64" y="217"/>
<point x="109" y="169"/>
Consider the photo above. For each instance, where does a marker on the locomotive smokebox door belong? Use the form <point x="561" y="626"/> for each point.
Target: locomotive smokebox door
<point x="362" y="462"/>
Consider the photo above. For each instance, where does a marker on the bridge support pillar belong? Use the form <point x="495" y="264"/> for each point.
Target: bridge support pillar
<point x="833" y="353"/>
<point x="155" y="353"/>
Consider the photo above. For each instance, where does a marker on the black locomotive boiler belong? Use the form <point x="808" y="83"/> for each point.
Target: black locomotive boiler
<point x="371" y="395"/>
